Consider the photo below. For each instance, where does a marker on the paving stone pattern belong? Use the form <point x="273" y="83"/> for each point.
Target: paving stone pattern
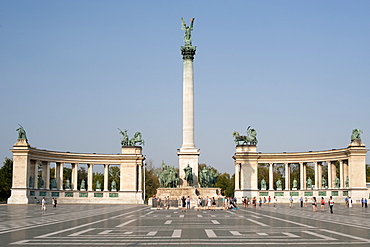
<point x="108" y="225"/>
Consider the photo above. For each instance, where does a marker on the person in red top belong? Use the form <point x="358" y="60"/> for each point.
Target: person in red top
<point x="322" y="204"/>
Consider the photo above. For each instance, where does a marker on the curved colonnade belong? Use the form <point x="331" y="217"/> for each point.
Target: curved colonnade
<point x="26" y="187"/>
<point x="350" y="182"/>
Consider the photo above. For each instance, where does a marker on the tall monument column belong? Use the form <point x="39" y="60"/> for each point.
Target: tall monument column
<point x="188" y="154"/>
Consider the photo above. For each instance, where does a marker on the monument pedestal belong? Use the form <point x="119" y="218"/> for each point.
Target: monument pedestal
<point x="192" y="192"/>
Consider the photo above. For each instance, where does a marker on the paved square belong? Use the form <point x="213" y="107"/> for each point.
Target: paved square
<point x="22" y="225"/>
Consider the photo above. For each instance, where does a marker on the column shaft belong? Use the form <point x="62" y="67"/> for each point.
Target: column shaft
<point x="74" y="176"/>
<point x="301" y="176"/>
<point x="61" y="176"/>
<point x="271" y="176"/>
<point x="341" y="174"/>
<point x="188" y="105"/>
<point x="36" y="174"/>
<point x="140" y="182"/>
<point x="90" y="177"/>
<point x="330" y="175"/>
<point x="319" y="172"/>
<point x="106" y="166"/>
<point x="237" y="177"/>
<point x="287" y="176"/>
<point x="316" y="175"/>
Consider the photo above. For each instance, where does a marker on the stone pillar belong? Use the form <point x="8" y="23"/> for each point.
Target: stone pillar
<point x="237" y="176"/>
<point x="106" y="166"/>
<point x="57" y="175"/>
<point x="334" y="173"/>
<point x="271" y="176"/>
<point x="36" y="175"/>
<point x="21" y="162"/>
<point x="61" y="175"/>
<point x="74" y="176"/>
<point x="140" y="173"/>
<point x="304" y="175"/>
<point x="287" y="176"/>
<point x="301" y="176"/>
<point x="330" y="175"/>
<point x="46" y="174"/>
<point x="357" y="165"/>
<point x="122" y="177"/>
<point x="319" y="172"/>
<point x="341" y="178"/>
<point x="188" y="154"/>
<point x="90" y="177"/>
<point x="316" y="180"/>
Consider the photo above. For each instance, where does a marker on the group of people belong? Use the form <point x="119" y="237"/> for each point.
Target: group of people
<point x="43" y="203"/>
<point x="265" y="201"/>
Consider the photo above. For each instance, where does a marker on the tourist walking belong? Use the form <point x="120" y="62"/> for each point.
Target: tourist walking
<point x="43" y="204"/>
<point x="158" y="203"/>
<point x="365" y="202"/>
<point x="350" y="202"/>
<point x="254" y="202"/>
<point x="213" y="204"/>
<point x="269" y="200"/>
<point x="291" y="202"/>
<point x="274" y="201"/>
<point x="260" y="203"/>
<point x="331" y="204"/>
<point x="301" y="200"/>
<point x="305" y="201"/>
<point x="55" y="202"/>
<point x="199" y="203"/>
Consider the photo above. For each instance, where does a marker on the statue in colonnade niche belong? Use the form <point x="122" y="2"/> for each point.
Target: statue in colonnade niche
<point x="98" y="185"/>
<point x="30" y="182"/>
<point x="53" y="183"/>
<point x="83" y="185"/>
<point x="337" y="183"/>
<point x="347" y="182"/>
<point x="295" y="183"/>
<point x="41" y="182"/>
<point x="278" y="184"/>
<point x="249" y="139"/>
<point x="309" y="183"/>
<point x="323" y="182"/>
<point x="113" y="185"/>
<point x="68" y="184"/>
<point x="263" y="184"/>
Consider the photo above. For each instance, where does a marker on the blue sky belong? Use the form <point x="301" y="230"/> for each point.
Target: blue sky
<point x="72" y="72"/>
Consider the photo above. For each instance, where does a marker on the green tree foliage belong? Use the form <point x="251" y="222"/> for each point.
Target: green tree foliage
<point x="151" y="180"/>
<point x="368" y="173"/>
<point x="98" y="176"/>
<point x="81" y="174"/>
<point x="227" y="184"/>
<point x="67" y="172"/>
<point x="6" y="172"/>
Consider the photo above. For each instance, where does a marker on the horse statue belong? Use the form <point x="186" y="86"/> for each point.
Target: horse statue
<point x="136" y="139"/>
<point x="125" y="140"/>
<point x="249" y="139"/>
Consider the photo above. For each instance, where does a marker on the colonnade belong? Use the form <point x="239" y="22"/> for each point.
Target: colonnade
<point x="25" y="184"/>
<point x="59" y="176"/>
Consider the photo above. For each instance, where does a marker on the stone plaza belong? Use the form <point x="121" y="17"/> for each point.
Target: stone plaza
<point x="108" y="225"/>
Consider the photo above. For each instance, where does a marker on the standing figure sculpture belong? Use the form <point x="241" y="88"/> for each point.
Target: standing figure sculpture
<point x="337" y="183"/>
<point x="68" y="184"/>
<point x="347" y="182"/>
<point x="21" y="133"/>
<point x="83" y="185"/>
<point x="278" y="184"/>
<point x="309" y="183"/>
<point x="323" y="183"/>
<point x="98" y="185"/>
<point x="113" y="185"/>
<point x="295" y="183"/>
<point x="263" y="184"/>
<point x="356" y="134"/>
<point x="188" y="175"/>
<point x="187" y="29"/>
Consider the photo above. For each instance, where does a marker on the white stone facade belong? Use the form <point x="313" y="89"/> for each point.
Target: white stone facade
<point x="26" y="161"/>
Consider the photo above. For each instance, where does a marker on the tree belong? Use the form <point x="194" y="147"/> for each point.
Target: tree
<point x="226" y="184"/>
<point x="151" y="180"/>
<point x="368" y="173"/>
<point x="6" y="175"/>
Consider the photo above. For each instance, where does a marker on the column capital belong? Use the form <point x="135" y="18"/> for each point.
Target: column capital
<point x="188" y="52"/>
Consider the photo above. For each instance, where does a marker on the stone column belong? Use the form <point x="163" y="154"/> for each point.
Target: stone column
<point x="140" y="182"/>
<point x="345" y="172"/>
<point x="237" y="176"/>
<point x="90" y="177"/>
<point x="106" y="166"/>
<point x="60" y="184"/>
<point x="330" y="176"/>
<point x="341" y="175"/>
<point x="334" y="173"/>
<point x="36" y="175"/>
<point x="316" y="175"/>
<point x="74" y="176"/>
<point x="287" y="176"/>
<point x="57" y="176"/>
<point x="301" y="176"/>
<point x="305" y="175"/>
<point x="319" y="172"/>
<point x="271" y="176"/>
<point x="188" y="154"/>
<point x="46" y="174"/>
<point x="122" y="171"/>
